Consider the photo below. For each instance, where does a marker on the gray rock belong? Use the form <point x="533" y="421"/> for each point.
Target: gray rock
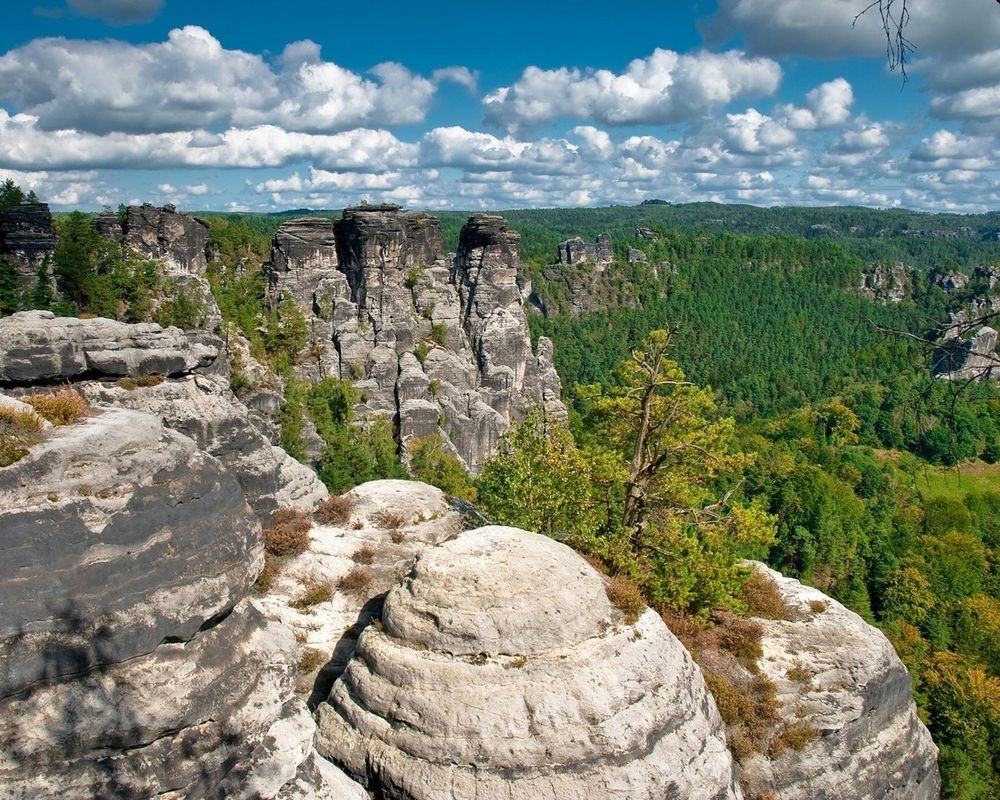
<point x="576" y="251"/>
<point x="858" y="697"/>
<point x="27" y="239"/>
<point x="501" y="671"/>
<point x="303" y="255"/>
<point x="886" y="283"/>
<point x="647" y="234"/>
<point x="108" y="225"/>
<point x="974" y="358"/>
<point x="949" y="280"/>
<point x="636" y="256"/>
<point x="38" y="346"/>
<point x="177" y="241"/>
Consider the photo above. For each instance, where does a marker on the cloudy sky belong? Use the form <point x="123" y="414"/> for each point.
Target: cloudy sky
<point x="321" y="103"/>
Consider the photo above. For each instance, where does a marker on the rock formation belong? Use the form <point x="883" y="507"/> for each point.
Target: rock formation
<point x="841" y="677"/>
<point x="178" y="241"/>
<point x="500" y="670"/>
<point x="37" y="347"/>
<point x="443" y="348"/>
<point x="948" y="280"/>
<point x="27" y="239"/>
<point x="974" y="358"/>
<point x="885" y="283"/>
<point x="576" y="251"/>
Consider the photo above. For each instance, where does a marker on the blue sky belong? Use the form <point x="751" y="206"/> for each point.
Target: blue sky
<point x="268" y="106"/>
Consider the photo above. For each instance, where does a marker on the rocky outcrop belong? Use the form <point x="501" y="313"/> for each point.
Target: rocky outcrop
<point x="27" y="239"/>
<point x="440" y="346"/>
<point x="37" y="347"/>
<point x="948" y="280"/>
<point x="178" y="241"/>
<point x="576" y="251"/>
<point x="886" y="283"/>
<point x="647" y="234"/>
<point x="303" y="255"/>
<point x="132" y="663"/>
<point x="973" y="358"/>
<point x="500" y="670"/>
<point x="842" y="678"/>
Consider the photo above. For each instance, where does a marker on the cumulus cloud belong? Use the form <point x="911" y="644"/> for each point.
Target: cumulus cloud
<point x="753" y="132"/>
<point x="663" y="88"/>
<point x="827" y="106"/>
<point x="191" y="81"/>
<point x="463" y="76"/>
<point x="457" y="147"/>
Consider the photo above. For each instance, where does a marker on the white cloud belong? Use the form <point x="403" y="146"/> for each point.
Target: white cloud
<point x="463" y="76"/>
<point x="191" y="81"/>
<point x="458" y="147"/>
<point x="756" y="133"/>
<point x="663" y="88"/>
<point x="827" y="106"/>
<point x="597" y="144"/>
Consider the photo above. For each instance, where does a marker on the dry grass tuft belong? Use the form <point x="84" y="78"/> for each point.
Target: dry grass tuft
<point x="749" y="711"/>
<point x="288" y="534"/>
<point x="799" y="673"/>
<point x="19" y="430"/>
<point x="267" y="575"/>
<point x="314" y="593"/>
<point x="795" y="737"/>
<point x="740" y="636"/>
<point x="146" y="381"/>
<point x="356" y="581"/>
<point x="626" y="596"/>
<point x="311" y="660"/>
<point x="763" y="598"/>
<point x="397" y="536"/>
<point x="818" y="606"/>
<point x="388" y="519"/>
<point x="363" y="555"/>
<point x="59" y="408"/>
<point x="334" y="510"/>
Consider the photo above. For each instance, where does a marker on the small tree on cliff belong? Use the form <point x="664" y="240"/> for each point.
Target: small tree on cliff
<point x="11" y="195"/>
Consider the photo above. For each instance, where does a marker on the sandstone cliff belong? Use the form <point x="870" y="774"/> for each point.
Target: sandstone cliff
<point x="27" y="240"/>
<point x="440" y="345"/>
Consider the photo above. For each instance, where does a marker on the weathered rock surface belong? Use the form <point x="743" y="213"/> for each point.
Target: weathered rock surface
<point x="871" y="743"/>
<point x="500" y="670"/>
<point x="303" y="254"/>
<point x="27" y="239"/>
<point x="576" y="251"/>
<point x="974" y="358"/>
<point x="388" y="294"/>
<point x="948" y="280"/>
<point x="132" y="665"/>
<point x="886" y="283"/>
<point x="178" y="241"/>
<point x="38" y="346"/>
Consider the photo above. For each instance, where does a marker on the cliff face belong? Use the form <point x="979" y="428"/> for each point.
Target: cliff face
<point x="841" y="677"/>
<point x="440" y="345"/>
<point x="26" y="240"/>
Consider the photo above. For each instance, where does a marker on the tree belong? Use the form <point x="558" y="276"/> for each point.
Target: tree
<point x="11" y="195"/>
<point x="431" y="463"/>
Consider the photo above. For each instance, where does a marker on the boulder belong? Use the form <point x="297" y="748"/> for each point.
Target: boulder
<point x="500" y="670"/>
<point x="842" y="678"/>
<point x="38" y="346"/>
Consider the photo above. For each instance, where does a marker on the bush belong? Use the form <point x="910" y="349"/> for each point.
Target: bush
<point x="739" y="636"/>
<point x="363" y="555"/>
<point x="356" y="581"/>
<point x="59" y="408"/>
<point x="288" y="534"/>
<point x="439" y="333"/>
<point x="314" y="593"/>
<point x="311" y="660"/>
<point x="626" y="596"/>
<point x="794" y="736"/>
<point x="267" y="575"/>
<point x="431" y="463"/>
<point x="19" y="430"/>
<point x="388" y="519"/>
<point x="763" y="599"/>
<point x="334" y="510"/>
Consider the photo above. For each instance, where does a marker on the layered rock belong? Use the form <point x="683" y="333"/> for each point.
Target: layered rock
<point x="499" y="669"/>
<point x="886" y="283"/>
<point x="441" y="347"/>
<point x="842" y="678"/>
<point x="178" y="241"/>
<point x="132" y="664"/>
<point x="974" y="358"/>
<point x="37" y="347"/>
<point x="576" y="251"/>
<point x="27" y="239"/>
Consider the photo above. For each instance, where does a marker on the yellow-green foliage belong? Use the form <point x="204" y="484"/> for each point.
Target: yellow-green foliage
<point x="313" y="593"/>
<point x="19" y="430"/>
<point x="626" y="597"/>
<point x="59" y="408"/>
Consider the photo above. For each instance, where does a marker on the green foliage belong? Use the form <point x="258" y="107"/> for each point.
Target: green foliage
<point x="10" y="298"/>
<point x="11" y="195"/>
<point x="431" y="463"/>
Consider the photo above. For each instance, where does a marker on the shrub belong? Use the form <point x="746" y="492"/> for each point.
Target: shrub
<point x="59" y="408"/>
<point x="750" y="711"/>
<point x="19" y="430"/>
<point x="267" y="575"/>
<point x="431" y="462"/>
<point x="363" y="555"/>
<point x="356" y="581"/>
<point x="763" y="599"/>
<point x="388" y="519"/>
<point x="335" y="510"/>
<point x="311" y="660"/>
<point x="795" y="736"/>
<point x="626" y="596"/>
<point x="818" y="606"/>
<point x="128" y="384"/>
<point x="397" y="536"/>
<point x="314" y="593"/>
<point x="739" y="636"/>
<point x="412" y="277"/>
<point x="288" y="534"/>
<point x="421" y="351"/>
<point x="149" y="380"/>
<point x="799" y="673"/>
<point x="439" y="333"/>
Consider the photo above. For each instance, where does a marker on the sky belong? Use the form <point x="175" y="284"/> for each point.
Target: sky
<point x="254" y="106"/>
